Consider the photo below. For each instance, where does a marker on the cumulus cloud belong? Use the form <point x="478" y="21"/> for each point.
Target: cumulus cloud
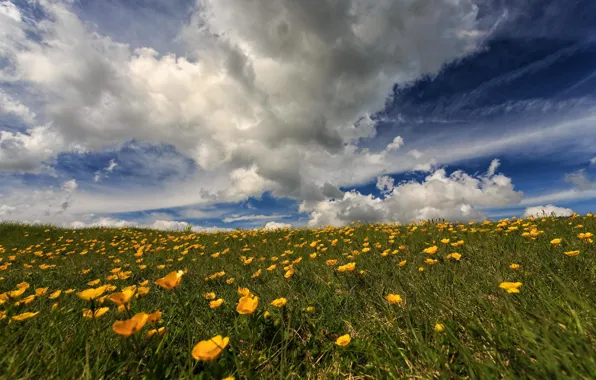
<point x="453" y="197"/>
<point x="547" y="210"/>
<point x="225" y="102"/>
<point x="276" y="225"/>
<point x="8" y="105"/>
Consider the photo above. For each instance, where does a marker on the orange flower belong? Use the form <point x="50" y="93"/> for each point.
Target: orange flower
<point x="170" y="281"/>
<point x="210" y="349"/>
<point x="343" y="340"/>
<point x="280" y="302"/>
<point x="130" y="326"/>
<point x="394" y="298"/>
<point x="247" y="304"/>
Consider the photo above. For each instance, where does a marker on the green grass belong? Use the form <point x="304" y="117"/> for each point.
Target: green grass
<point x="548" y="330"/>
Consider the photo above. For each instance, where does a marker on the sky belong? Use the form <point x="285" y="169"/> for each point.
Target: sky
<point x="226" y="114"/>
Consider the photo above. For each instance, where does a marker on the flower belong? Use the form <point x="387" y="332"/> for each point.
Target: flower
<point x="159" y="331"/>
<point x="331" y="262"/>
<point x="41" y="291"/>
<point x="431" y="250"/>
<point x="310" y="309"/>
<point x="514" y="266"/>
<point x="571" y="253"/>
<point x="215" y="304"/>
<point x="210" y="349"/>
<point x="556" y="241"/>
<point x="209" y="296"/>
<point x="349" y="267"/>
<point x="55" y="295"/>
<point x="123" y="297"/>
<point x="454" y="255"/>
<point x="130" y="326"/>
<point x="431" y="261"/>
<point x="95" y="314"/>
<point x="247" y="304"/>
<point x="170" y="281"/>
<point x="154" y="317"/>
<point x="343" y="340"/>
<point x="23" y="316"/>
<point x="402" y="263"/>
<point x="393" y="298"/>
<point x="439" y="328"/>
<point x="510" y="287"/>
<point x="91" y="293"/>
<point x="279" y="302"/>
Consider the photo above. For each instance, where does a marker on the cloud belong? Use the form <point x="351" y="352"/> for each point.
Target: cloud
<point x="397" y="143"/>
<point x="237" y="218"/>
<point x="223" y="101"/>
<point x="8" y="105"/>
<point x="276" y="225"/>
<point x="163" y="225"/>
<point x="593" y="161"/>
<point x="103" y="173"/>
<point x="453" y="197"/>
<point x="547" y="210"/>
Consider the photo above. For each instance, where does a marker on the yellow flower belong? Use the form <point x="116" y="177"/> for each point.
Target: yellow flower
<point x="55" y="295"/>
<point x="130" y="326"/>
<point x="98" y="312"/>
<point x="94" y="282"/>
<point x="142" y="290"/>
<point x="154" y="317"/>
<point x="331" y="262"/>
<point x="445" y="241"/>
<point x="279" y="302"/>
<point x="571" y="253"/>
<point x="247" y="304"/>
<point x="159" y="331"/>
<point x="420" y="269"/>
<point x="366" y="249"/>
<point x="310" y="309"/>
<point x="402" y="263"/>
<point x="170" y="281"/>
<point x="510" y="287"/>
<point x="514" y="266"/>
<point x="272" y="267"/>
<point x="23" y="316"/>
<point x="556" y="241"/>
<point x="289" y="273"/>
<point x="41" y="291"/>
<point x="215" y="304"/>
<point x="349" y="267"/>
<point x="91" y="294"/>
<point x="431" y="261"/>
<point x="244" y="292"/>
<point x="393" y="298"/>
<point x="257" y="273"/>
<point x="431" y="250"/>
<point x="439" y="328"/>
<point x="343" y="340"/>
<point x="266" y="315"/>
<point x="210" y="349"/>
<point x="230" y="280"/>
<point x="454" y="255"/>
<point x="209" y="296"/>
<point x="122" y="297"/>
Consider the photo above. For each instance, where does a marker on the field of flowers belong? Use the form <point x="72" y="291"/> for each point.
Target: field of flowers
<point x="506" y="299"/>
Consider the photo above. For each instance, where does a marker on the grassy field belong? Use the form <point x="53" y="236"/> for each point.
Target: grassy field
<point x="451" y="319"/>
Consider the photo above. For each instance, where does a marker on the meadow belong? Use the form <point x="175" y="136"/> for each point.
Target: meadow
<point x="514" y="298"/>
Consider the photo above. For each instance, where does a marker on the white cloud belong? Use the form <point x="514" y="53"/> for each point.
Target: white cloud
<point x="237" y="218"/>
<point x="103" y="173"/>
<point x="224" y="102"/>
<point x="397" y="143"/>
<point x="385" y="184"/>
<point x="593" y="161"/>
<point x="276" y="225"/>
<point x="547" y="210"/>
<point x="8" y="105"/>
<point x="453" y="197"/>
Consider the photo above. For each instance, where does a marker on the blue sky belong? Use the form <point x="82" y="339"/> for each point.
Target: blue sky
<point x="233" y="114"/>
